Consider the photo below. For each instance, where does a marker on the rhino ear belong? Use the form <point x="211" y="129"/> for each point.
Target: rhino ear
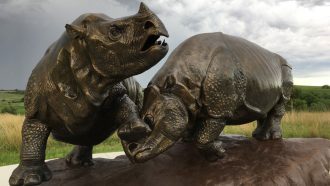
<point x="75" y="31"/>
<point x="150" y="94"/>
<point x="152" y="91"/>
<point x="170" y="82"/>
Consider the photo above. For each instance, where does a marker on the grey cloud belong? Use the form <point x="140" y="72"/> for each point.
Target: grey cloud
<point x="297" y="30"/>
<point x="308" y="69"/>
<point x="28" y="27"/>
<point x="311" y="2"/>
<point x="131" y="4"/>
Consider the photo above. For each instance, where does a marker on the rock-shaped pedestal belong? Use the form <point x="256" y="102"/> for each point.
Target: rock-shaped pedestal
<point x="248" y="162"/>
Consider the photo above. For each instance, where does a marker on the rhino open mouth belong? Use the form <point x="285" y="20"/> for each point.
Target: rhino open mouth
<point x="153" y="40"/>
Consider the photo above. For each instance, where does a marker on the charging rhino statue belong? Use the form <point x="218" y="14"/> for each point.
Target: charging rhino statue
<point x="78" y="91"/>
<point x="209" y="81"/>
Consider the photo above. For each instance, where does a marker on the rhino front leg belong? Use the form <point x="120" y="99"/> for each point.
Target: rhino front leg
<point x="206" y="139"/>
<point x="270" y="127"/>
<point x="32" y="169"/>
<point x="80" y="156"/>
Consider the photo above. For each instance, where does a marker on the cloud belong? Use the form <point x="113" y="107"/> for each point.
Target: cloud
<point x="311" y="2"/>
<point x="299" y="30"/>
<point x="29" y="27"/>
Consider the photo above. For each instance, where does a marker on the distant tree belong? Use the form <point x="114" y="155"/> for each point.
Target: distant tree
<point x="299" y="104"/>
<point x="326" y="87"/>
<point x="296" y="93"/>
<point x="310" y="98"/>
<point x="318" y="106"/>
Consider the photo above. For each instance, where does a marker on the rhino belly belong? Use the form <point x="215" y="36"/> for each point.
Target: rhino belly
<point x="244" y="115"/>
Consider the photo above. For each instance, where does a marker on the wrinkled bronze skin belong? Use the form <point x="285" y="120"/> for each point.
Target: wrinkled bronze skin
<point x="212" y="80"/>
<point x="79" y="91"/>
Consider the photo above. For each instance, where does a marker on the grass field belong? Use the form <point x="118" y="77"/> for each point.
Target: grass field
<point x="294" y="124"/>
<point x="316" y="89"/>
<point x="10" y="141"/>
<point x="13" y="99"/>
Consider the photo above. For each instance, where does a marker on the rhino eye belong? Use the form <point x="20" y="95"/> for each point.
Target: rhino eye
<point x="115" y="32"/>
<point x="149" y="120"/>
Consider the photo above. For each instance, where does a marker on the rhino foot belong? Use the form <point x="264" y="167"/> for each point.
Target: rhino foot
<point x="30" y="175"/>
<point x="80" y="156"/>
<point x="213" y="151"/>
<point x="269" y="128"/>
<point x="261" y="135"/>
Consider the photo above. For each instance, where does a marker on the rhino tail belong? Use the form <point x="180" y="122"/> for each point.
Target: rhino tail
<point x="287" y="81"/>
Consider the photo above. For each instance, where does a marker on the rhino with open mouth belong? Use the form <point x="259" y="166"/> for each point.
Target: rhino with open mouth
<point x="209" y="81"/>
<point x="79" y="91"/>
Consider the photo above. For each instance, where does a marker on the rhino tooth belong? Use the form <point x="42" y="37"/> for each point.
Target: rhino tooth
<point x="164" y="43"/>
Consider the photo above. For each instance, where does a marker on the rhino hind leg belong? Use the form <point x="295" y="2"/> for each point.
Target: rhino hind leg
<point x="32" y="169"/>
<point x="270" y="127"/>
<point x="206" y="139"/>
<point x="80" y="156"/>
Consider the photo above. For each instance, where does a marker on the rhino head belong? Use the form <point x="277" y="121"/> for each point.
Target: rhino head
<point x="167" y="117"/>
<point x="123" y="47"/>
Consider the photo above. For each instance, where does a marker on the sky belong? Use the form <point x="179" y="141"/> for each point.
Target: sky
<point x="298" y="30"/>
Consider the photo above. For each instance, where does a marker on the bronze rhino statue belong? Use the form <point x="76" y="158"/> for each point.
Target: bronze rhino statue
<point x="78" y="91"/>
<point x="209" y="81"/>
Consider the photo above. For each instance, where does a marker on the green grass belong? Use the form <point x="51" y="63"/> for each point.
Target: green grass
<point x="313" y="88"/>
<point x="12" y="98"/>
<point x="57" y="149"/>
<point x="294" y="125"/>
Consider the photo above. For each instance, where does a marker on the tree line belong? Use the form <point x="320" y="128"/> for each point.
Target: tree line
<point x="310" y="99"/>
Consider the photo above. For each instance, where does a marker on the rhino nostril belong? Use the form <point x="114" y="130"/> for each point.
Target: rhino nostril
<point x="132" y="146"/>
<point x="148" y="130"/>
<point x="148" y="25"/>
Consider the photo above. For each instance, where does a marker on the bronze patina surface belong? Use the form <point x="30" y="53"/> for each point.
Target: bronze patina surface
<point x="286" y="162"/>
<point x="209" y="81"/>
<point x="79" y="91"/>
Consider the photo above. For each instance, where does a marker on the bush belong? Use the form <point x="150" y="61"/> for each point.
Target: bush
<point x="318" y="106"/>
<point x="296" y="93"/>
<point x="326" y="87"/>
<point x="9" y="109"/>
<point x="310" y="98"/>
<point x="299" y="104"/>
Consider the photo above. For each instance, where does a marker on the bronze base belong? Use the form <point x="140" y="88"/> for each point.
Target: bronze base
<point x="248" y="162"/>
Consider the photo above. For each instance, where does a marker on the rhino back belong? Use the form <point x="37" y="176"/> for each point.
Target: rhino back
<point x="263" y="72"/>
<point x="188" y="63"/>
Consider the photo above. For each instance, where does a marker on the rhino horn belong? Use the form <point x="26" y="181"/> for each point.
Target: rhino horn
<point x="143" y="8"/>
